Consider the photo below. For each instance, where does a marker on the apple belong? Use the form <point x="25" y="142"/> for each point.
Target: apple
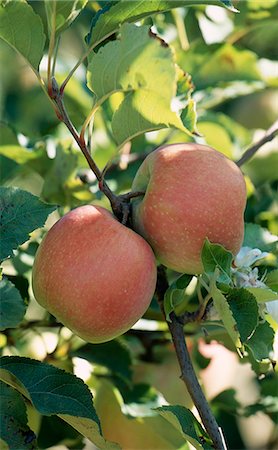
<point x="192" y="192"/>
<point x="95" y="275"/>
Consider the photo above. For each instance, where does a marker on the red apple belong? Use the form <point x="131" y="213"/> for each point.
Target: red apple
<point x="192" y="192"/>
<point x="94" y="274"/>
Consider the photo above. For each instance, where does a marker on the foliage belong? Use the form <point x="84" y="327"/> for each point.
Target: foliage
<point x="134" y="75"/>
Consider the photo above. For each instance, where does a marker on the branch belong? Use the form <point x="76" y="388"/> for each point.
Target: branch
<point x="269" y="135"/>
<point x="120" y="203"/>
<point x="188" y="375"/>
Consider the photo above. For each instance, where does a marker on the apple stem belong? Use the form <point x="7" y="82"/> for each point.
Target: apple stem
<point x="188" y="375"/>
<point x="250" y="152"/>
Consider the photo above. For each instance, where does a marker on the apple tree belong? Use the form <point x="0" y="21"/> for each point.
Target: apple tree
<point x="106" y="342"/>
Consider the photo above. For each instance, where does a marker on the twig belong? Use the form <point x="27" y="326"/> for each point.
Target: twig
<point x="188" y="375"/>
<point x="269" y="135"/>
<point x="120" y="203"/>
<point x="52" y="28"/>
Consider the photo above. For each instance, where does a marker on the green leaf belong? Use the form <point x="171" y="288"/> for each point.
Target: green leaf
<point x="262" y="169"/>
<point x="54" y="391"/>
<point x="245" y="311"/>
<point x="56" y="188"/>
<point x="65" y="13"/>
<point x="143" y="111"/>
<point x="56" y="432"/>
<point x="20" y="214"/>
<point x="139" y="61"/>
<point x="256" y="236"/>
<point x="218" y="64"/>
<point x="22" y="29"/>
<point x="263" y="295"/>
<point x="175" y="295"/>
<point x="127" y="11"/>
<point x="261" y="38"/>
<point x="8" y="169"/>
<point x="226" y="401"/>
<point x="261" y="342"/>
<point x="14" y="428"/>
<point x="113" y="355"/>
<point x="12" y="306"/>
<point x="18" y="154"/>
<point x="214" y="256"/>
<point x="7" y="135"/>
<point x="148" y="432"/>
<point x="141" y="401"/>
<point x="268" y="400"/>
<point x="36" y="160"/>
<point x="22" y="285"/>
<point x="186" y="423"/>
<point x="222" y="307"/>
<point x="272" y="280"/>
<point x="189" y="116"/>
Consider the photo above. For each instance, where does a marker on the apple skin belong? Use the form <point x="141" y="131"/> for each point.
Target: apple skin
<point x="192" y="192"/>
<point x="95" y="275"/>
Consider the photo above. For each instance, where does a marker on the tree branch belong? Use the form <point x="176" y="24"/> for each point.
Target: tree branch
<point x="269" y="135"/>
<point x="120" y="203"/>
<point x="188" y="375"/>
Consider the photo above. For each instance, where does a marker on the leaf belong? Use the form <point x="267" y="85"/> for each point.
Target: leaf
<point x="22" y="29"/>
<point x="222" y="307"/>
<point x="20" y="214"/>
<point x="141" y="401"/>
<point x="215" y="256"/>
<point x="244" y="308"/>
<point x="261" y="38"/>
<point x="54" y="391"/>
<point x="226" y="401"/>
<point x="175" y="295"/>
<point x="261" y="342"/>
<point x="141" y="112"/>
<point x="22" y="285"/>
<point x="127" y="11"/>
<point x="55" y="431"/>
<point x="65" y="13"/>
<point x="8" y="169"/>
<point x="14" y="428"/>
<point x="142" y="63"/>
<point x="189" y="116"/>
<point x="272" y="280"/>
<point x="267" y="405"/>
<point x="186" y="423"/>
<point x="57" y="180"/>
<point x="148" y="432"/>
<point x="13" y="158"/>
<point x="7" y="135"/>
<point x="113" y="355"/>
<point x="18" y="154"/>
<point x="139" y="61"/>
<point x="218" y="64"/>
<point x="36" y="160"/>
<point x="263" y="295"/>
<point x="256" y="236"/>
<point x="12" y="306"/>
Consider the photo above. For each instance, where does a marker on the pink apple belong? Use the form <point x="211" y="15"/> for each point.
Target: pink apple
<point x="94" y="274"/>
<point x="192" y="192"/>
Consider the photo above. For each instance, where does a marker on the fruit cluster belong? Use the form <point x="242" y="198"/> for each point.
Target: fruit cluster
<point x="98" y="277"/>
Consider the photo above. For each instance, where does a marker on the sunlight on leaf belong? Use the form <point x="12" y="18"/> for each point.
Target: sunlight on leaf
<point x="22" y="29"/>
